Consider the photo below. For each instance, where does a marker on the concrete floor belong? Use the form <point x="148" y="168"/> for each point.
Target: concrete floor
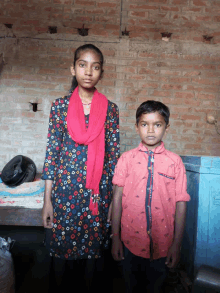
<point x="32" y="263"/>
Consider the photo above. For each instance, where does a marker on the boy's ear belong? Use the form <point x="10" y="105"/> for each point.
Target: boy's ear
<point x="72" y="70"/>
<point x="167" y="130"/>
<point x="136" y="128"/>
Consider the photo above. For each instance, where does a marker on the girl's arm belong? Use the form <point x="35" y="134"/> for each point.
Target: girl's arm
<point x="47" y="212"/>
<point x="54" y="140"/>
<point x="117" y="247"/>
<point x="173" y="255"/>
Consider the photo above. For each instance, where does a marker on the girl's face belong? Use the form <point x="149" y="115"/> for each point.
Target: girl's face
<point x="87" y="69"/>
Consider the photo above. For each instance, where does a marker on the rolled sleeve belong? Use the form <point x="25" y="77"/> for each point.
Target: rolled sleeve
<point x="120" y="171"/>
<point x="181" y="183"/>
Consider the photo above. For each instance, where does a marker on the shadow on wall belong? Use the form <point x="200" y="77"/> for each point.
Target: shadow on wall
<point x="1" y="63"/>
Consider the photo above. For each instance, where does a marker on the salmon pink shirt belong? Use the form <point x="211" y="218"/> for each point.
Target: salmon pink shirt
<point x="153" y="182"/>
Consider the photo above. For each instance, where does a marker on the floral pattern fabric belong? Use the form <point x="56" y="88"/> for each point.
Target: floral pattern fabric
<point x="76" y="233"/>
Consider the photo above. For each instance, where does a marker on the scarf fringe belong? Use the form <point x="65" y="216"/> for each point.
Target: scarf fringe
<point x="93" y="205"/>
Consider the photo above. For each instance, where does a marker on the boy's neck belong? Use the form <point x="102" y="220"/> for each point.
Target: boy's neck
<point x="151" y="148"/>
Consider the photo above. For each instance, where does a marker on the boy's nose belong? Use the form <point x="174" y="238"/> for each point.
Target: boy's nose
<point x="150" y="128"/>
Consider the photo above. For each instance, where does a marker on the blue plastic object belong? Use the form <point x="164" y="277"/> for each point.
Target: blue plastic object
<point x="201" y="242"/>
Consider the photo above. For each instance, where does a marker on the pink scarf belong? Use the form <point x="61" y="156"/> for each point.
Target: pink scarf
<point x="94" y="137"/>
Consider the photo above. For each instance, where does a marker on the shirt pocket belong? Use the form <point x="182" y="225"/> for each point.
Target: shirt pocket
<point x="166" y="176"/>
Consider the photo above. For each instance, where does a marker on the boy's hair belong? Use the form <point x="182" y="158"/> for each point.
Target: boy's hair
<point x="86" y="47"/>
<point x="152" y="107"/>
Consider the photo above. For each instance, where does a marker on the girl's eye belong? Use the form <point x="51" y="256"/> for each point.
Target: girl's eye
<point x="96" y="67"/>
<point x="81" y="65"/>
<point x="144" y="124"/>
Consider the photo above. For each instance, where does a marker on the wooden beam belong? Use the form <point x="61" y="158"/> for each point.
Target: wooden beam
<point x="19" y="216"/>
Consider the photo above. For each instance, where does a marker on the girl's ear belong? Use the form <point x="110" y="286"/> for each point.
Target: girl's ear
<point x="72" y="70"/>
<point x="102" y="74"/>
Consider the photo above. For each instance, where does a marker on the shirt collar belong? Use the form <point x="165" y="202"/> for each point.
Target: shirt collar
<point x="158" y="150"/>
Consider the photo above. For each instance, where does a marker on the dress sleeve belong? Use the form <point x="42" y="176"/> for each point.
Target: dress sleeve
<point x="112" y="138"/>
<point x="54" y="140"/>
<point x="181" y="182"/>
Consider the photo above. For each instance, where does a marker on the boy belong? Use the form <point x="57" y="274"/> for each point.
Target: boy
<point x="149" y="204"/>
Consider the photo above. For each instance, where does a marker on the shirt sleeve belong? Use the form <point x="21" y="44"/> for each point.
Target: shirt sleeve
<point x="121" y="171"/>
<point x="54" y="140"/>
<point x="181" y="182"/>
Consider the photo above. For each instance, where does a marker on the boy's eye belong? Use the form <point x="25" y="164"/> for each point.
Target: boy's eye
<point x="158" y="125"/>
<point x="81" y="65"/>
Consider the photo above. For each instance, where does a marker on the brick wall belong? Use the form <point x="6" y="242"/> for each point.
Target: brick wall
<point x="182" y="72"/>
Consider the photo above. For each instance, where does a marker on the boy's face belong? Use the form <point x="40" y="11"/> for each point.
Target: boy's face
<point x="151" y="128"/>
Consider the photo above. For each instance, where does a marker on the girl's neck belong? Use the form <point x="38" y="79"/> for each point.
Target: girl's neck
<point x="86" y="94"/>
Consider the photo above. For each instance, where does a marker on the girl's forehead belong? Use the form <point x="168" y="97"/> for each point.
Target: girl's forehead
<point x="89" y="55"/>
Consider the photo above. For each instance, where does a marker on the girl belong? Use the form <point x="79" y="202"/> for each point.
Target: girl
<point x="82" y="151"/>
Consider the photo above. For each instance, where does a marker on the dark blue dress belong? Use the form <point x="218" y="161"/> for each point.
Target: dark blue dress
<point x="76" y="234"/>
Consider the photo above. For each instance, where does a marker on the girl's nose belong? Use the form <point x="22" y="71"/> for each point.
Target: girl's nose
<point x="89" y="71"/>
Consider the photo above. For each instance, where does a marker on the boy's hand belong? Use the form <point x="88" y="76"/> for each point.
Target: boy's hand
<point x="117" y="248"/>
<point x="173" y="256"/>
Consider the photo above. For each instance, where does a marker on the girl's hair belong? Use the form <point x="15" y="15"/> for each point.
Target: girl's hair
<point x="152" y="107"/>
<point x="86" y="47"/>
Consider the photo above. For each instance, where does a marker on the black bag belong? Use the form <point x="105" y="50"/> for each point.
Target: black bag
<point x="19" y="170"/>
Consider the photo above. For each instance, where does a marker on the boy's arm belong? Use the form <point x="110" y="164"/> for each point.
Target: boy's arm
<point x="117" y="247"/>
<point x="173" y="255"/>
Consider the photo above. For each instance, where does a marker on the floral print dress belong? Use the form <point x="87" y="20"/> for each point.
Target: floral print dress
<point x="76" y="233"/>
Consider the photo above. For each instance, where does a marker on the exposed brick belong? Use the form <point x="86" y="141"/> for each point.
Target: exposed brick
<point x="148" y="55"/>
<point x="199" y="3"/>
<point x="106" y="5"/>
<point x="137" y="14"/>
<point x="85" y="2"/>
<point x="67" y="2"/>
<point x="161" y="93"/>
<point x="171" y="86"/>
<point x="206" y="81"/>
<point x="94" y="11"/>
<point x="184" y="95"/>
<point x="144" y="7"/>
<point x="168" y="8"/>
<point x="185" y="76"/>
<point x="192" y="73"/>
<point x="206" y="97"/>
<point x="179" y="2"/>
<point x="190" y="117"/>
<point x="135" y="77"/>
<point x="127" y="69"/>
<point x="83" y="19"/>
<point x="112" y="26"/>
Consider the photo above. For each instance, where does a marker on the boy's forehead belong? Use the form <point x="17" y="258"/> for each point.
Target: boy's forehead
<point x="152" y="116"/>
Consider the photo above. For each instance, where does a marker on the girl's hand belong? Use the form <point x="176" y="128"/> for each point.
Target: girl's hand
<point x="109" y="217"/>
<point x="117" y="248"/>
<point x="173" y="256"/>
<point x="47" y="215"/>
